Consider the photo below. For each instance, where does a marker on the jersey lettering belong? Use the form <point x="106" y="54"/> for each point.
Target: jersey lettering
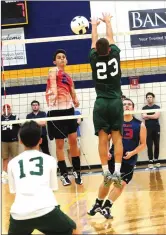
<point x="38" y="165"/>
<point x="8" y="126"/>
<point x="102" y="69"/>
<point x="127" y="133"/>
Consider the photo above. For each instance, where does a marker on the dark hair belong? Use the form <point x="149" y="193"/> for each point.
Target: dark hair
<point x="30" y="134"/>
<point x="130" y="101"/>
<point x="150" y="93"/>
<point x="35" y="101"/>
<point x="102" y="46"/>
<point x="123" y="97"/>
<point x="57" y="52"/>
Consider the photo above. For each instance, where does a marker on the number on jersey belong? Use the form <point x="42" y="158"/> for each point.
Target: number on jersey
<point x="127" y="133"/>
<point x="38" y="161"/>
<point x="102" y="68"/>
<point x="8" y="126"/>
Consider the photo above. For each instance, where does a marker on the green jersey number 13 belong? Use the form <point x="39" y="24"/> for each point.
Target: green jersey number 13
<point x="102" y="68"/>
<point x="37" y="161"/>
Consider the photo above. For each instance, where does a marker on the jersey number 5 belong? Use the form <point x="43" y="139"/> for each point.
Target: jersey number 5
<point x="102" y="69"/>
<point x="38" y="165"/>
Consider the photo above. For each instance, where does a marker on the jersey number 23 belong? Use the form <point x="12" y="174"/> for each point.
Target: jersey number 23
<point x="102" y="68"/>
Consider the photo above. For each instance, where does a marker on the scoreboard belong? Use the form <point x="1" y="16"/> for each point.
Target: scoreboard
<point x="13" y="13"/>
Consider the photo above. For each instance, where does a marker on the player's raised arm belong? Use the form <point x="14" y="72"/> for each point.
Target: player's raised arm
<point x="109" y="32"/>
<point x="51" y="90"/>
<point x="94" y="22"/>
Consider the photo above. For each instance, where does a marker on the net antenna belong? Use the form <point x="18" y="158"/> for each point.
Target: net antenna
<point x="4" y="83"/>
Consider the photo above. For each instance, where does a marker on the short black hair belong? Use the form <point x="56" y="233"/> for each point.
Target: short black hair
<point x="57" y="52"/>
<point x="102" y="46"/>
<point x="123" y="97"/>
<point x="35" y="101"/>
<point x="30" y="134"/>
<point x="130" y="101"/>
<point x="150" y="93"/>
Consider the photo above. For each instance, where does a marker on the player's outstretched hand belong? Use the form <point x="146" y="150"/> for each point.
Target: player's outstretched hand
<point x="106" y="17"/>
<point x="94" y="21"/>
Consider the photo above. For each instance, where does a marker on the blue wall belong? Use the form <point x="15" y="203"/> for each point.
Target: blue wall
<point x="51" y="19"/>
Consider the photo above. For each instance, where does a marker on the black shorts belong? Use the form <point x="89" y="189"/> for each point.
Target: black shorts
<point x="60" y="129"/>
<point x="126" y="170"/>
<point x="53" y="223"/>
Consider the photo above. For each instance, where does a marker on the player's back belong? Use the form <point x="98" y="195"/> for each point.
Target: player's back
<point x="106" y="73"/>
<point x="30" y="178"/>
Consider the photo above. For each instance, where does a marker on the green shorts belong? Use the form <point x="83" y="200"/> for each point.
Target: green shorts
<point x="53" y="223"/>
<point x="108" y="115"/>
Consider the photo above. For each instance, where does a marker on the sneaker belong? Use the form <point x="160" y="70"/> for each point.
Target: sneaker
<point x="157" y="164"/>
<point x="4" y="177"/>
<point x="116" y="178"/>
<point x="65" y="180"/>
<point x="96" y="208"/>
<point x="106" y="212"/>
<point x="150" y="165"/>
<point x="77" y="175"/>
<point x="107" y="178"/>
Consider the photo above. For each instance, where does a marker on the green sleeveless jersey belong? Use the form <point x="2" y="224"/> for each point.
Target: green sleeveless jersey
<point x="106" y="73"/>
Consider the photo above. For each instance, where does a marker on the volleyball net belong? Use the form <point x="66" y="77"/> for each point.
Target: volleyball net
<point x="143" y="70"/>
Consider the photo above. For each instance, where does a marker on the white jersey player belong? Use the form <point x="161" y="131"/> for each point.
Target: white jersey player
<point x="33" y="178"/>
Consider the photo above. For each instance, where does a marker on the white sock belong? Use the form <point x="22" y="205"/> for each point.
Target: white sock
<point x="117" y="167"/>
<point x="105" y="168"/>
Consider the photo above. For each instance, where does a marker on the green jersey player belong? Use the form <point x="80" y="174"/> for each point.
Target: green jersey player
<point x="108" y="108"/>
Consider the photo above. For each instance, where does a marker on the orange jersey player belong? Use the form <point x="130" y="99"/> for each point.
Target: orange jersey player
<point x="60" y="92"/>
<point x="60" y="97"/>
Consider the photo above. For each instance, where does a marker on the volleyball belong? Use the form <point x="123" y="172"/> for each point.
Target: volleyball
<point x="79" y="25"/>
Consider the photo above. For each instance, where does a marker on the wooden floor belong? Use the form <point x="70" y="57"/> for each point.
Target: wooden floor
<point x="141" y="209"/>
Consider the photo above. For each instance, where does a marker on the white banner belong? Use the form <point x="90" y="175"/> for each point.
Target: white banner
<point x="13" y="54"/>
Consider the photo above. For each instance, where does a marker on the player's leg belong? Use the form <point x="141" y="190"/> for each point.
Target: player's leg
<point x="127" y="174"/>
<point x="156" y="140"/>
<point x="102" y="129"/>
<point x="149" y="142"/>
<point x="44" y="145"/>
<point x="20" y="227"/>
<point x="56" y="222"/>
<point x="118" y="153"/>
<point x="5" y="160"/>
<point x="116" y="123"/>
<point x="74" y="150"/>
<point x="57" y="130"/>
<point x="61" y="162"/>
<point x="103" y="191"/>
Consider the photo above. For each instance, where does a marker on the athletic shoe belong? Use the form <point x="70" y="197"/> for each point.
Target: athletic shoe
<point x="106" y="212"/>
<point x="107" y="178"/>
<point x="77" y="175"/>
<point x="157" y="163"/>
<point x="150" y="165"/>
<point x="116" y="178"/>
<point x="65" y="180"/>
<point x="95" y="208"/>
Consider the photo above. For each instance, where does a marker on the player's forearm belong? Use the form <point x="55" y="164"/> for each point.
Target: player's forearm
<point x="94" y="35"/>
<point x="109" y="31"/>
<point x="139" y="149"/>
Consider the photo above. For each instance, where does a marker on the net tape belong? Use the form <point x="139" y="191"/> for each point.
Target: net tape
<point x="78" y="116"/>
<point x="77" y="37"/>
